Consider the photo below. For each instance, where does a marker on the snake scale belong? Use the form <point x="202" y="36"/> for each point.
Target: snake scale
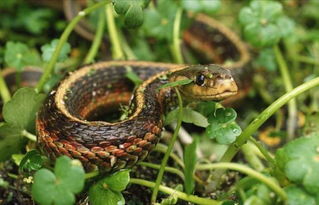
<point x="69" y="123"/>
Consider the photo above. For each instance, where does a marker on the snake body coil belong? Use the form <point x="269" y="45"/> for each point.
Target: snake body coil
<point x="70" y="122"/>
<point x="67" y="122"/>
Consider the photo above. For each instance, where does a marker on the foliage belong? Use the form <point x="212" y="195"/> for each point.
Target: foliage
<point x="282" y="35"/>
<point x="67" y="180"/>
<point x="108" y="190"/>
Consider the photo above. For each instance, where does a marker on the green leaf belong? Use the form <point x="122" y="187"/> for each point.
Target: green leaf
<point x="201" y="6"/>
<point x="59" y="187"/>
<point x="189" y="116"/>
<point x="172" y="199"/>
<point x="297" y="196"/>
<point x="286" y="26"/>
<point x="21" y="110"/>
<point x="190" y="160"/>
<point x="192" y="116"/>
<point x="206" y="108"/>
<point x="3" y="184"/>
<point x="48" y="50"/>
<point x="18" y="55"/>
<point x="36" y="20"/>
<point x="132" y="11"/>
<point x="11" y="141"/>
<point x="176" y="83"/>
<point x="222" y="126"/>
<point x="130" y="74"/>
<point x="142" y="49"/>
<point x="101" y="196"/>
<point x="134" y="16"/>
<point x="266" y="58"/>
<point x="159" y="22"/>
<point x="108" y="190"/>
<point x="264" y="23"/>
<point x="299" y="160"/>
<point x="117" y="181"/>
<point x="32" y="161"/>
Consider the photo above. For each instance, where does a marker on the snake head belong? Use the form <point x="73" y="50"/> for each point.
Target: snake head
<point x="210" y="82"/>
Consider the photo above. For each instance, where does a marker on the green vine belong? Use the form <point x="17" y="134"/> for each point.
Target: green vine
<point x="169" y="149"/>
<point x="97" y="40"/>
<point x="66" y="33"/>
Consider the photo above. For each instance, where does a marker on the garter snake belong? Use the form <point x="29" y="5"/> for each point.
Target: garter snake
<point x="69" y="121"/>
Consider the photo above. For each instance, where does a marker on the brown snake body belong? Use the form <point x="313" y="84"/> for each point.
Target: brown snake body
<point x="70" y="122"/>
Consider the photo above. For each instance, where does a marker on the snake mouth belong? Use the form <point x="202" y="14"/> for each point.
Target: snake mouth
<point x="219" y="96"/>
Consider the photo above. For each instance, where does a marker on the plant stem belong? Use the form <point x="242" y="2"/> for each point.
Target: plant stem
<point x="97" y="40"/>
<point x="292" y="105"/>
<point x="244" y="169"/>
<point x="263" y="116"/>
<point x="251" y="157"/>
<point x="266" y="154"/>
<point x="163" y="148"/>
<point x="169" y="149"/>
<point x="306" y="59"/>
<point x="168" y="169"/>
<point x="180" y="195"/>
<point x="176" y="46"/>
<point x="117" y="52"/>
<point x="29" y="135"/>
<point x="126" y="48"/>
<point x="91" y="174"/>
<point x="50" y="66"/>
<point x="4" y="91"/>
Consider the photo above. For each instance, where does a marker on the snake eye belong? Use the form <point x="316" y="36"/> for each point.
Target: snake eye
<point x="200" y="79"/>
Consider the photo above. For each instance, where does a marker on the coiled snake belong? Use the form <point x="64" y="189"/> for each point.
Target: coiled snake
<point x="69" y="121"/>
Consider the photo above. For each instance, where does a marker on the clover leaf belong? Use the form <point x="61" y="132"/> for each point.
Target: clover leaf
<point x="67" y="180"/>
<point x="297" y="196"/>
<point x="266" y="58"/>
<point x="18" y="55"/>
<point x="222" y="126"/>
<point x="261" y="22"/>
<point x="10" y="141"/>
<point x="189" y="116"/>
<point x="201" y="5"/>
<point x="32" y="161"/>
<point x="159" y="21"/>
<point x="108" y="190"/>
<point x="299" y="160"/>
<point x="132" y="11"/>
<point x="21" y="110"/>
<point x="35" y="20"/>
<point x="48" y="50"/>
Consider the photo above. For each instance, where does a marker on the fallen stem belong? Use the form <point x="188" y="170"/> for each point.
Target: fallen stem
<point x="180" y="195"/>
<point x="167" y="169"/>
<point x="250" y="172"/>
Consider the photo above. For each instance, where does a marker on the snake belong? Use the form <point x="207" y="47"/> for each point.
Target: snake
<point x="72" y="120"/>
